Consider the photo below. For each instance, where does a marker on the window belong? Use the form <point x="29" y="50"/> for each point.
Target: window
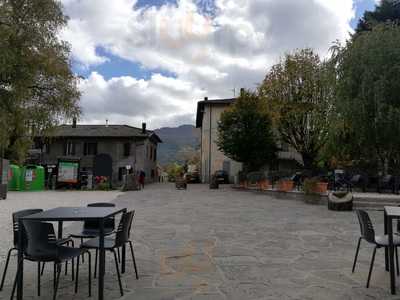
<point x="69" y="148"/>
<point x="121" y="173"/>
<point x="46" y="148"/>
<point x="155" y="154"/>
<point x="90" y="148"/>
<point x="127" y="149"/>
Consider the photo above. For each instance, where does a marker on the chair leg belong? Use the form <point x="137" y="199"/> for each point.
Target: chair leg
<point x="77" y="274"/>
<point x="371" y="267"/>
<point x="119" y="256"/>
<point x="54" y="275"/>
<point x="73" y="269"/>
<point x="134" y="260"/>
<point x="356" y="256"/>
<point x="119" y="275"/>
<point x="15" y="283"/>
<point x="83" y="257"/>
<point x="57" y="281"/>
<point x="95" y="263"/>
<point x="41" y="273"/>
<point x="90" y="273"/>
<point x="38" y="278"/>
<point x="397" y="260"/>
<point x="6" y="267"/>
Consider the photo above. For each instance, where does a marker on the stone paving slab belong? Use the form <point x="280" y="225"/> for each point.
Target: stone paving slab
<point x="226" y="244"/>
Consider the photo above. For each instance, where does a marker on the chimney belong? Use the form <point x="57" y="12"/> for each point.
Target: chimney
<point x="143" y="127"/>
<point x="74" y="122"/>
<point x="106" y="122"/>
<point x="205" y="98"/>
<point x="241" y="91"/>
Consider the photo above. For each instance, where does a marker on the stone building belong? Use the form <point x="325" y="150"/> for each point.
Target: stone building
<point x="207" y="118"/>
<point x="126" y="145"/>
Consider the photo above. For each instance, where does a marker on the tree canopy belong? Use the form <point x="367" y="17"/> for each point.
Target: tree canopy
<point x="298" y="92"/>
<point x="385" y="11"/>
<point x="245" y="132"/>
<point x="368" y="104"/>
<point x="37" y="86"/>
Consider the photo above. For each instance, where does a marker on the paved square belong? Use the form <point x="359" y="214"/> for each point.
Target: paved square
<point x="227" y="244"/>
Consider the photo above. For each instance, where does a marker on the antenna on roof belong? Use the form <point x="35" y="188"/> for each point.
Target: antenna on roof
<point x="234" y="92"/>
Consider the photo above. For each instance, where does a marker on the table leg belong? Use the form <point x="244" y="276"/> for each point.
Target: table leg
<point x="391" y="258"/>
<point x="386" y="249"/>
<point x="60" y="229"/>
<point x="20" y="277"/>
<point x="101" y="261"/>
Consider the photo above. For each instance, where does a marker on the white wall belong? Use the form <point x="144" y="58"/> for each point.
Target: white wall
<point x="217" y="157"/>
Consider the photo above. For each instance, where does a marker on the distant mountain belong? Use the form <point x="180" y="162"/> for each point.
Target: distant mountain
<point x="175" y="139"/>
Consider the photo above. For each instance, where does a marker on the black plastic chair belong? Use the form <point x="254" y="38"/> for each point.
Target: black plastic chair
<point x="368" y="234"/>
<point x="15" y="217"/>
<point x="120" y="239"/>
<point x="40" y="246"/>
<point x="387" y="182"/>
<point x="91" y="229"/>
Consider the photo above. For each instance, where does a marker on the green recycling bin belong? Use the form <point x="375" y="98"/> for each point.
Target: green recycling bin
<point x="14" y="178"/>
<point x="33" y="178"/>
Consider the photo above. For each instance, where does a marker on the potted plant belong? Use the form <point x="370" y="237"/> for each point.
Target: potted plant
<point x="321" y="187"/>
<point x="264" y="184"/>
<point x="311" y="190"/>
<point x="285" y="185"/>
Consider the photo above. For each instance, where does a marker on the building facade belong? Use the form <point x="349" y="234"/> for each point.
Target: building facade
<point x="126" y="145"/>
<point x="212" y="159"/>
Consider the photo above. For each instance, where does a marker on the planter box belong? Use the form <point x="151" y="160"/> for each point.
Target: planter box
<point x="264" y="185"/>
<point x="243" y="184"/>
<point x="285" y="185"/>
<point x="321" y="188"/>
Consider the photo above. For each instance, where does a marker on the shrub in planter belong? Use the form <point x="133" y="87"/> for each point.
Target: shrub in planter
<point x="314" y="186"/>
<point x="265" y="184"/>
<point x="285" y="185"/>
<point x="102" y="183"/>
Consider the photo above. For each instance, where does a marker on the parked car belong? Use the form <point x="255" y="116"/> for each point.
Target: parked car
<point x="192" y="177"/>
<point x="222" y="176"/>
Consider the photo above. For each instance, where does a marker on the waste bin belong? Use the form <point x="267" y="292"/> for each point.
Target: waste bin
<point x="33" y="178"/>
<point x="14" y="178"/>
<point x="4" y="165"/>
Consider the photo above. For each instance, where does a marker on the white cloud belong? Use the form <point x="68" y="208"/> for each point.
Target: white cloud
<point x="209" y="56"/>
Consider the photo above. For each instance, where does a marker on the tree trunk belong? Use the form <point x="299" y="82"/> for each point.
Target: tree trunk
<point x="309" y="161"/>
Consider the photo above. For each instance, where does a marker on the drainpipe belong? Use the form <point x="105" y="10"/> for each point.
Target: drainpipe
<point x="209" y="150"/>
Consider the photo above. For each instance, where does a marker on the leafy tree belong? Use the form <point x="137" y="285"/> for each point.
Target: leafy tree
<point x="245" y="132"/>
<point x="385" y="11"/>
<point x="37" y="87"/>
<point x="368" y="104"/>
<point x="174" y="170"/>
<point x="299" y="92"/>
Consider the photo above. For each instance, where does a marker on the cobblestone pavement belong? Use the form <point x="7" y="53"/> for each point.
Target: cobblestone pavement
<point x="225" y="244"/>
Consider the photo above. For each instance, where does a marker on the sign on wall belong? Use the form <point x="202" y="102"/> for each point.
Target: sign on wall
<point x="68" y="172"/>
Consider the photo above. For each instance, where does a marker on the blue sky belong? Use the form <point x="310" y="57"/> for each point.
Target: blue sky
<point x="152" y="60"/>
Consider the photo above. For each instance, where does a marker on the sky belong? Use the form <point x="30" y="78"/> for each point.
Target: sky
<point x="153" y="60"/>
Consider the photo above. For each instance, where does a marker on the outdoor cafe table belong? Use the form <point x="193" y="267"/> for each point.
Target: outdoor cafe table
<point x="61" y="214"/>
<point x="390" y="213"/>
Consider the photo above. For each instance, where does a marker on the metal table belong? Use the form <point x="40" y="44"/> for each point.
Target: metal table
<point x="71" y="214"/>
<point x="391" y="212"/>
